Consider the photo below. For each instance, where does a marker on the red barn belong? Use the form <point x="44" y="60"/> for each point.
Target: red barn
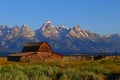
<point x="33" y="51"/>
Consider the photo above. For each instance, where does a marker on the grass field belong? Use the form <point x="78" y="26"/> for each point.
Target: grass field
<point x="64" y="70"/>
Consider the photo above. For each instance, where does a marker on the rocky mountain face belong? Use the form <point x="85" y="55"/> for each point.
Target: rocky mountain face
<point x="62" y="39"/>
<point x="12" y="39"/>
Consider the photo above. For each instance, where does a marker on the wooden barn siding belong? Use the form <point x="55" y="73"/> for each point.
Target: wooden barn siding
<point x="37" y="55"/>
<point x="44" y="54"/>
<point x="31" y="56"/>
<point x="57" y="57"/>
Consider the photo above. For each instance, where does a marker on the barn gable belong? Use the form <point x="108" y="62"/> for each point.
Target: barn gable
<point x="45" y="47"/>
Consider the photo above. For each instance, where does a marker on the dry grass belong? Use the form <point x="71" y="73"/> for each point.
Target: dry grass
<point x="112" y="64"/>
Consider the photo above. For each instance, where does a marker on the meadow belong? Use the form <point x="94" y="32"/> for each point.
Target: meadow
<point x="60" y="70"/>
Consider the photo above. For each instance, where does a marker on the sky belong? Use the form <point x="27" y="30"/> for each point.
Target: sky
<point x="99" y="16"/>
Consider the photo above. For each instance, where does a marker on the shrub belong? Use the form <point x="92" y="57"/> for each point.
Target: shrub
<point x="98" y="70"/>
<point x="75" y="74"/>
<point x="39" y="72"/>
<point x="11" y="72"/>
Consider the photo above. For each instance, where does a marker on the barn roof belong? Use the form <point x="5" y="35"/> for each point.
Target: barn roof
<point x="32" y="46"/>
<point x="22" y="54"/>
<point x="34" y="43"/>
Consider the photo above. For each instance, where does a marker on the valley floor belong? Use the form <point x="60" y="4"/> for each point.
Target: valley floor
<point x="60" y="70"/>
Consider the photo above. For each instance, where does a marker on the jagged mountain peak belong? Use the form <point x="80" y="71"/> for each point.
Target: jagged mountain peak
<point x="62" y="27"/>
<point x="48" y="30"/>
<point x="25" y="26"/>
<point x="16" y="30"/>
<point x="61" y="38"/>
<point x="48" y="21"/>
<point x="77" y="32"/>
<point x="16" y="27"/>
<point x="77" y="28"/>
<point x="107" y="35"/>
<point x="47" y="24"/>
<point x="26" y="31"/>
<point x="4" y="27"/>
<point x="116" y="35"/>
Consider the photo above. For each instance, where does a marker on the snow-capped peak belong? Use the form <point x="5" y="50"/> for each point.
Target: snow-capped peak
<point x="25" y="26"/>
<point x="4" y="27"/>
<point x="77" y="28"/>
<point x="48" y="30"/>
<point x="77" y="32"/>
<point x="26" y="31"/>
<point x="48" y="21"/>
<point x="47" y="25"/>
<point x="62" y="27"/>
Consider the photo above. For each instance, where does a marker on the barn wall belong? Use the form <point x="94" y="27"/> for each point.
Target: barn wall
<point x="44" y="54"/>
<point x="56" y="57"/>
<point x="28" y="57"/>
<point x="35" y="55"/>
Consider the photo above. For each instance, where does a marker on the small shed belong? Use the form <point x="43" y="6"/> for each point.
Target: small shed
<point x="35" y="50"/>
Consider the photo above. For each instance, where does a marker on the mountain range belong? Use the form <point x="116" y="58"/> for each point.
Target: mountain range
<point x="62" y="39"/>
